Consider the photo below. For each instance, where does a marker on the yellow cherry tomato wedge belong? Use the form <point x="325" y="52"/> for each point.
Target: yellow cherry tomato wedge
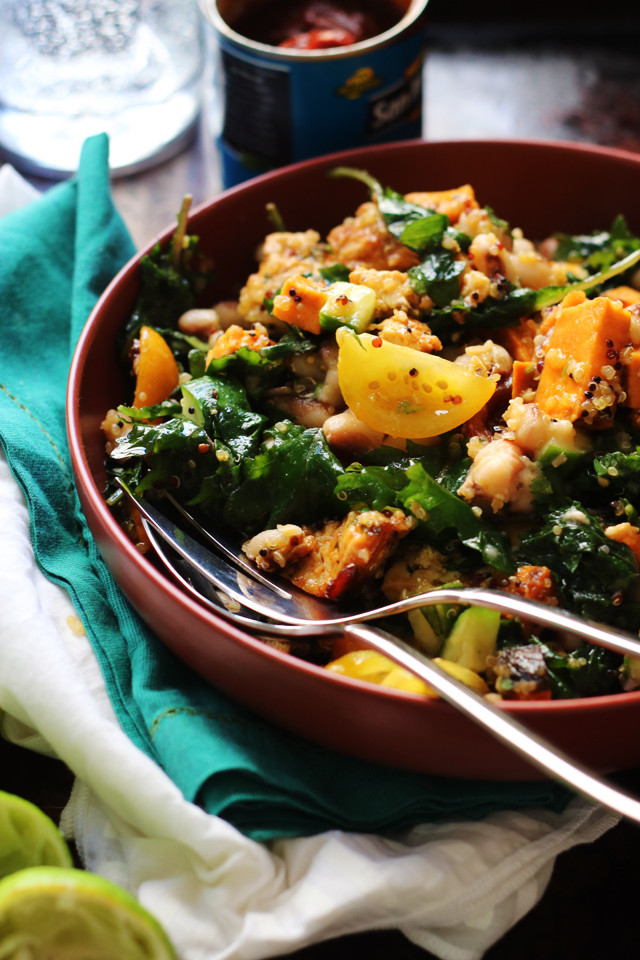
<point x="363" y="664"/>
<point x="375" y="668"/>
<point x="404" y="393"/>
<point x="156" y="369"/>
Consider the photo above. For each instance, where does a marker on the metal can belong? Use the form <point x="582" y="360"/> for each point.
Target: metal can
<point x="281" y="105"/>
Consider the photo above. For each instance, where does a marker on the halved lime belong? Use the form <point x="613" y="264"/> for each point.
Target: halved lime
<point x="59" y="914"/>
<point x="28" y="837"/>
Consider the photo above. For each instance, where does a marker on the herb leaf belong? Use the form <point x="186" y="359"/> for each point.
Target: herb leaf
<point x="291" y="479"/>
<point x="595" y="575"/>
<point x="437" y="276"/>
<point x="446" y="513"/>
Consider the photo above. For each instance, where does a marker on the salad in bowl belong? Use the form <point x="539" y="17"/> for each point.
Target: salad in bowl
<point x="422" y="396"/>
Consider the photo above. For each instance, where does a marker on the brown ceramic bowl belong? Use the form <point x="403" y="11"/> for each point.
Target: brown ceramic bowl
<point x="538" y="186"/>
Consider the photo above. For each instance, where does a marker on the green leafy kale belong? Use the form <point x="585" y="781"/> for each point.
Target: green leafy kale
<point x="183" y="345"/>
<point x="598" y="250"/>
<point x="168" y="408"/>
<point x="619" y="474"/>
<point x="171" y="277"/>
<point x="262" y="369"/>
<point x="375" y="486"/>
<point x="606" y="481"/>
<point x="165" y="293"/>
<point x="237" y="469"/>
<point x="437" y="276"/>
<point x="596" y="576"/>
<point x="424" y="484"/>
<point x="200" y="461"/>
<point x="166" y="449"/>
<point x="335" y="272"/>
<point x="291" y="479"/>
<point x="590" y="671"/>
<point x="444" y="518"/>
<point x="232" y="420"/>
<point x="425" y="232"/>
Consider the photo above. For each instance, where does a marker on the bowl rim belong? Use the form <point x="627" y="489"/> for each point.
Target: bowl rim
<point x="83" y="474"/>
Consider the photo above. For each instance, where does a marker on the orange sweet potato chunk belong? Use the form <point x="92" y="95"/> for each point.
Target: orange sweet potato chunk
<point x="519" y="339"/>
<point x="625" y="533"/>
<point x="299" y="303"/>
<point x="522" y="377"/>
<point x="453" y="203"/>
<point x="627" y="295"/>
<point x="572" y="299"/>
<point x="235" y="337"/>
<point x="587" y="336"/>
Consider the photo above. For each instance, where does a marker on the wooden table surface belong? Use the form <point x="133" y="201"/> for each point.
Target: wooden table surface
<point x="490" y="78"/>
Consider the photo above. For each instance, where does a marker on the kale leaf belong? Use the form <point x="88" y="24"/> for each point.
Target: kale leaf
<point x="600" y="249"/>
<point x="334" y="272"/>
<point x="166" y="448"/>
<point x="169" y="286"/>
<point x="400" y="216"/>
<point x="621" y="473"/>
<point x="262" y="369"/>
<point x="437" y="276"/>
<point x="445" y="518"/>
<point x="291" y="479"/>
<point x="375" y="485"/>
<point x="590" y="671"/>
<point x="168" y="408"/>
<point x="596" y="576"/>
<point x="233" y="422"/>
<point x="424" y="231"/>
<point x="447" y="322"/>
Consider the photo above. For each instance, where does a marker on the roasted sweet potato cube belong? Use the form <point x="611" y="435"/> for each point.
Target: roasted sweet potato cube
<point x="519" y="339"/>
<point x="299" y="303"/>
<point x="450" y="202"/>
<point x="627" y="295"/>
<point x="235" y="337"/>
<point x="522" y="377"/>
<point x="584" y="348"/>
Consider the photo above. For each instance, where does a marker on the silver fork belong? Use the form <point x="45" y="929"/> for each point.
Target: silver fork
<point x="224" y="580"/>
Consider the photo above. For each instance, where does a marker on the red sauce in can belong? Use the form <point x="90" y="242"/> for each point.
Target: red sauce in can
<point x="317" y="24"/>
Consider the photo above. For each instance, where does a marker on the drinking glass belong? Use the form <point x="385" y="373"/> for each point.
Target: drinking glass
<point x="72" y="68"/>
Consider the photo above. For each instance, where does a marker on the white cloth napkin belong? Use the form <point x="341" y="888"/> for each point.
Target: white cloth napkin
<point x="453" y="888"/>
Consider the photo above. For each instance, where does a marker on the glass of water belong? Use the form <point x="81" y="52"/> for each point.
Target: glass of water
<point x="73" y="68"/>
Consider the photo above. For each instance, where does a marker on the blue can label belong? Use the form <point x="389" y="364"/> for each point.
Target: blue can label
<point x="401" y="103"/>
<point x="257" y="116"/>
<point x="277" y="112"/>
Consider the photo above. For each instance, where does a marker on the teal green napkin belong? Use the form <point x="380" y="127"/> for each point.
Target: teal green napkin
<point x="57" y="256"/>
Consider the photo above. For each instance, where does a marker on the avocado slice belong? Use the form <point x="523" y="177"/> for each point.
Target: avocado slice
<point x="473" y="638"/>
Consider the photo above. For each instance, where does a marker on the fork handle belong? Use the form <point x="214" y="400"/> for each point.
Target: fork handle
<point x="499" y="724"/>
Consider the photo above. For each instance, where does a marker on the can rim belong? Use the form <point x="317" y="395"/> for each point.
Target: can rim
<point x="210" y="10"/>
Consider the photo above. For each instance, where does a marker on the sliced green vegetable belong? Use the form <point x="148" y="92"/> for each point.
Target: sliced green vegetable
<point x="348" y="305"/>
<point x="473" y="638"/>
